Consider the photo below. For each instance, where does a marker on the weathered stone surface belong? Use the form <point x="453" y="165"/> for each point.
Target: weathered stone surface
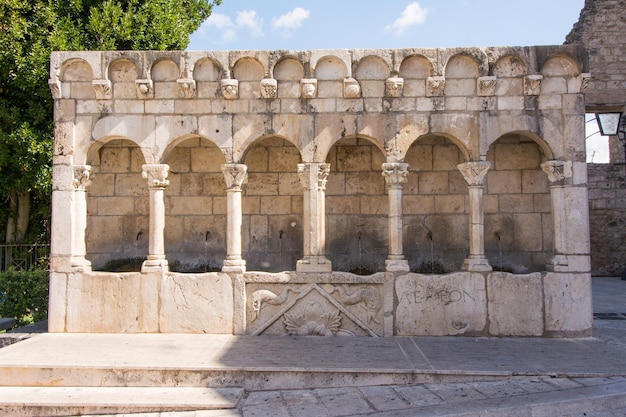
<point x="515" y="304"/>
<point x="435" y="305"/>
<point x="568" y="304"/>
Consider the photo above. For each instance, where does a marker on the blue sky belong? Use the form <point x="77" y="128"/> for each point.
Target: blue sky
<point x="326" y="24"/>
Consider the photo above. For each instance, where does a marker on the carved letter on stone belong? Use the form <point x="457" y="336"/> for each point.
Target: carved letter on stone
<point x="144" y="88"/>
<point x="557" y="170"/>
<point x="474" y="172"/>
<point x="269" y="88"/>
<point x="102" y="89"/>
<point x="487" y="86"/>
<point x="81" y="177"/>
<point x="351" y="88"/>
<point x="395" y="173"/>
<point x="229" y="88"/>
<point x="156" y="174"/>
<point x="186" y="87"/>
<point x="308" y="87"/>
<point x="435" y="86"/>
<point x="393" y="87"/>
<point x="532" y="85"/>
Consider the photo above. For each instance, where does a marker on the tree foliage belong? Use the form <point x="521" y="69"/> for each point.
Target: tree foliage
<point x="29" y="31"/>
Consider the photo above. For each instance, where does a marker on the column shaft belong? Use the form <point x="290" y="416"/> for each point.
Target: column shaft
<point x="156" y="174"/>
<point x="236" y="176"/>
<point x="395" y="174"/>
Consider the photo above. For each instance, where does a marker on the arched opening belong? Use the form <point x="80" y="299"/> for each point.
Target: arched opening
<point x="272" y="206"/>
<point x="435" y="207"/>
<point x="356" y="207"/>
<point x="517" y="205"/>
<point x="195" y="207"/>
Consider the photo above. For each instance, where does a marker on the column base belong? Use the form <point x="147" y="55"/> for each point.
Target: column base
<point x="476" y="265"/>
<point x="237" y="266"/>
<point x="155" y="265"/>
<point x="397" y="265"/>
<point x="314" y="264"/>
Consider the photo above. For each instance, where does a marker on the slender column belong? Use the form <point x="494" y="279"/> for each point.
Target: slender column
<point x="81" y="182"/>
<point x="395" y="174"/>
<point x="157" y="181"/>
<point x="313" y="178"/>
<point x="236" y="176"/>
<point x="474" y="173"/>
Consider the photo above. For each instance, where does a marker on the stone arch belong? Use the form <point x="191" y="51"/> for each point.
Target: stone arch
<point x="330" y="68"/>
<point x="272" y="205"/>
<point x="372" y="72"/>
<point x="76" y="70"/>
<point x="92" y="155"/>
<point x="356" y="206"/>
<point x="435" y="206"/>
<point x="510" y="66"/>
<point x="117" y="205"/>
<point x="123" y="70"/>
<point x="461" y="73"/>
<point x="518" y="209"/>
<point x="561" y="65"/>
<point x="165" y="70"/>
<point x="206" y="70"/>
<point x="415" y="69"/>
<point x="195" y="201"/>
<point x="288" y="72"/>
<point x="249" y="72"/>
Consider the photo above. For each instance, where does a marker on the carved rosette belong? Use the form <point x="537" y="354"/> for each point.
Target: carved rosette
<point x="145" y="88"/>
<point x="308" y="87"/>
<point x="186" y="87"/>
<point x="435" y="86"/>
<point x="156" y="174"/>
<point x="395" y="173"/>
<point x="557" y="170"/>
<point x="313" y="321"/>
<point x="474" y="172"/>
<point x="394" y="87"/>
<point x="229" y="88"/>
<point x="102" y="89"/>
<point x="81" y="177"/>
<point x="532" y="85"/>
<point x="55" y="88"/>
<point x="236" y="176"/>
<point x="351" y="88"/>
<point x="269" y="88"/>
<point x="487" y="86"/>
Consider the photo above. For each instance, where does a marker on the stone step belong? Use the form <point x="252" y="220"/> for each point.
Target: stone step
<point x="73" y="401"/>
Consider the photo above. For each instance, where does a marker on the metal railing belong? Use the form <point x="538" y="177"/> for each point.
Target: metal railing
<point x="24" y="257"/>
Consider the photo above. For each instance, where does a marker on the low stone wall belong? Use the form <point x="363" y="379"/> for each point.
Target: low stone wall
<point x="327" y="304"/>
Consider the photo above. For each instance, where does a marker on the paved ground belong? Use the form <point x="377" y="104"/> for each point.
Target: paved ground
<point x="529" y="376"/>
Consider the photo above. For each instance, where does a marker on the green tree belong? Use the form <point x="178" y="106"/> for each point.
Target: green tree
<point x="29" y="31"/>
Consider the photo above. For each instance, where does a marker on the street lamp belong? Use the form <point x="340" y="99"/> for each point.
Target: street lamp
<point x="613" y="124"/>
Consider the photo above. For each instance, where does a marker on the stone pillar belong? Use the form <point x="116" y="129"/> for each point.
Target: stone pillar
<point x="236" y="176"/>
<point x="157" y="181"/>
<point x="313" y="178"/>
<point x="395" y="174"/>
<point x="79" y="250"/>
<point x="474" y="173"/>
<point x="570" y="214"/>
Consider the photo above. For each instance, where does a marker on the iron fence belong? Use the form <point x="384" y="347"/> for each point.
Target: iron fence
<point x="24" y="257"/>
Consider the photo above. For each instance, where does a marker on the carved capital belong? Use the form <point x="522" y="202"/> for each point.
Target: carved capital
<point x="156" y="174"/>
<point x="487" y="86"/>
<point x="395" y="173"/>
<point x="236" y="176"/>
<point x="394" y="87"/>
<point x="81" y="177"/>
<point x="435" y="86"/>
<point x="351" y="88"/>
<point x="319" y="181"/>
<point x="186" y="87"/>
<point x="308" y="87"/>
<point x="145" y="88"/>
<point x="474" y="172"/>
<point x="532" y="85"/>
<point x="102" y="89"/>
<point x="557" y="170"/>
<point x="55" y="88"/>
<point x="229" y="88"/>
<point x="269" y="88"/>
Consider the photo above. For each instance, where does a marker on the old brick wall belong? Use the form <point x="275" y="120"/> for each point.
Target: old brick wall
<point x="602" y="29"/>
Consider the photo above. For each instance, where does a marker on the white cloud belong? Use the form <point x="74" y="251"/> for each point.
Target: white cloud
<point x="412" y="15"/>
<point x="248" y="19"/>
<point x="290" y="21"/>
